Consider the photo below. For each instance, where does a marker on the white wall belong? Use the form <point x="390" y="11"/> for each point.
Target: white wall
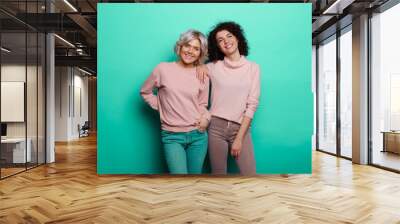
<point x="15" y="72"/>
<point x="62" y="81"/>
<point x="71" y="94"/>
<point x="81" y="103"/>
<point x="9" y="73"/>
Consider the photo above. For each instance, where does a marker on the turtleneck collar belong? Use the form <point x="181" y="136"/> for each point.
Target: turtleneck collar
<point x="235" y="64"/>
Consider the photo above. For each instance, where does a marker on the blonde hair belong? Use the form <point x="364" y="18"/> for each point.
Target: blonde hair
<point x="190" y="35"/>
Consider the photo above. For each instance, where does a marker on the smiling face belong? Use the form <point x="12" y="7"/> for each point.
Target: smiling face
<point x="189" y="53"/>
<point x="227" y="42"/>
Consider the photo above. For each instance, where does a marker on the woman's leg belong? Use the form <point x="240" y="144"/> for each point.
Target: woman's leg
<point x="196" y="151"/>
<point x="174" y="151"/>
<point x="246" y="161"/>
<point x="217" y="146"/>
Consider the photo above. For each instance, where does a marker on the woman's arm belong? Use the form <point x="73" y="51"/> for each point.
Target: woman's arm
<point x="203" y="71"/>
<point x="146" y="91"/>
<point x="238" y="142"/>
<point x="254" y="95"/>
<point x="251" y="106"/>
<point x="203" y="103"/>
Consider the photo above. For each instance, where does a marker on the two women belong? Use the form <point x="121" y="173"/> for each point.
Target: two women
<point x="182" y="102"/>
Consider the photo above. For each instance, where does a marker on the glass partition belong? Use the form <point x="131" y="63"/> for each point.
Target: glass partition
<point x="14" y="153"/>
<point x="385" y="89"/>
<point x="22" y="88"/>
<point x="327" y="95"/>
<point x="346" y="93"/>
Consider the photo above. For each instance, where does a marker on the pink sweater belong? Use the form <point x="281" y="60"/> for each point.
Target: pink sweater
<point x="181" y="99"/>
<point x="235" y="89"/>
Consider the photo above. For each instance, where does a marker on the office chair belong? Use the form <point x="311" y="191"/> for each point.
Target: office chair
<point x="84" y="130"/>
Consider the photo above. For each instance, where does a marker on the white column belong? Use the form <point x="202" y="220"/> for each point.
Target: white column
<point x="50" y="99"/>
<point x="360" y="90"/>
<point x="50" y="92"/>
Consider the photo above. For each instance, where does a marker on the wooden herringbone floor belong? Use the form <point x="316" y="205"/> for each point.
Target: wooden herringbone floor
<point x="69" y="191"/>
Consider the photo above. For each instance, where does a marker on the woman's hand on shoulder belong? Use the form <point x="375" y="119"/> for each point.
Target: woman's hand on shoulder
<point x="202" y="73"/>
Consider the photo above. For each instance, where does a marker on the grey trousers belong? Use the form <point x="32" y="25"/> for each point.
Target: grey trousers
<point x="221" y="134"/>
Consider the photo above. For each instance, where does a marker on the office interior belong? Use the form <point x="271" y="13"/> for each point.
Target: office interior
<point x="48" y="76"/>
<point x="49" y="85"/>
<point x="47" y="80"/>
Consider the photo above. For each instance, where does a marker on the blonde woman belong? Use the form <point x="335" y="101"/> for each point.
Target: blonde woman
<point x="182" y="102"/>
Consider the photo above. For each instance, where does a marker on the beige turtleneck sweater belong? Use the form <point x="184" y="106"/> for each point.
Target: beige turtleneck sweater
<point x="235" y="88"/>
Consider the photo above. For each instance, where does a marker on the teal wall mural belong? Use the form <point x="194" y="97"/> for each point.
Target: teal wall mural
<point x="134" y="38"/>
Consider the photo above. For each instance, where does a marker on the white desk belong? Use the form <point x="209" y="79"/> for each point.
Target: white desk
<point x="18" y="150"/>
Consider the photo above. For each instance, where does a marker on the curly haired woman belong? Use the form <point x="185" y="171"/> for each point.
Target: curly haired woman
<point x="234" y="98"/>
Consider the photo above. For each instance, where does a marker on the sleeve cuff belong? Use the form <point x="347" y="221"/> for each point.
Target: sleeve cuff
<point x="207" y="115"/>
<point x="249" y="113"/>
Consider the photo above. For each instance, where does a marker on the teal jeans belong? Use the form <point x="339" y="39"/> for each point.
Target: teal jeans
<point x="184" y="151"/>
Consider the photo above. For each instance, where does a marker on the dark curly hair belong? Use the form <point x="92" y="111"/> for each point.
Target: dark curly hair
<point x="214" y="53"/>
